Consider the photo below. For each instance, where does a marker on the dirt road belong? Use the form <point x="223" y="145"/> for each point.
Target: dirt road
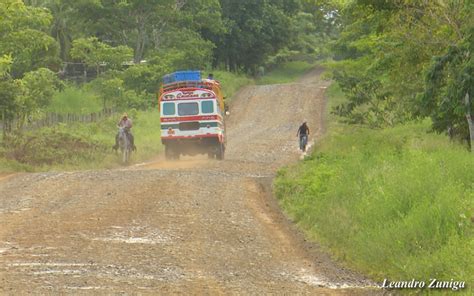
<point x="188" y="227"/>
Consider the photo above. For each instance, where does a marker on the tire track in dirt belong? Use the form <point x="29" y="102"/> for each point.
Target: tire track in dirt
<point x="189" y="227"/>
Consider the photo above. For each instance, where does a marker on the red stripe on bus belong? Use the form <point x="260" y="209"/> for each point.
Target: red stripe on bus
<point x="190" y="137"/>
<point x="188" y="99"/>
<point x="166" y="92"/>
<point x="191" y="118"/>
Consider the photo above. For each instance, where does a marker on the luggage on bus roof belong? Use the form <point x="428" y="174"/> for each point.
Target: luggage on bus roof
<point x="191" y="75"/>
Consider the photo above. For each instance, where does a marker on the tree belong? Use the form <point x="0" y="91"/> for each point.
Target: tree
<point x="37" y="89"/>
<point x="109" y="87"/>
<point x="65" y="24"/>
<point x="96" y="54"/>
<point x="147" y="77"/>
<point x="8" y="93"/>
<point x="9" y="90"/>
<point x="313" y="27"/>
<point x="5" y="65"/>
<point x="369" y="102"/>
<point x="391" y="44"/>
<point x="23" y="35"/>
<point x="185" y="49"/>
<point x="40" y="86"/>
<point x="254" y="30"/>
<point x="450" y="89"/>
<point x="134" y="23"/>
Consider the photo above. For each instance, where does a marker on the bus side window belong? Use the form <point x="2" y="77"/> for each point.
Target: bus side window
<point x="169" y="109"/>
<point x="207" y="107"/>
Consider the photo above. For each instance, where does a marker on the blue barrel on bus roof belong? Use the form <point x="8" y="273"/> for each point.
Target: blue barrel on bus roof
<point x="191" y="75"/>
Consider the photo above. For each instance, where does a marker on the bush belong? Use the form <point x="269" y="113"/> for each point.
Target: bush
<point x="51" y="147"/>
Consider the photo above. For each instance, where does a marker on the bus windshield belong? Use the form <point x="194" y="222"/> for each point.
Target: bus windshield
<point x="186" y="109"/>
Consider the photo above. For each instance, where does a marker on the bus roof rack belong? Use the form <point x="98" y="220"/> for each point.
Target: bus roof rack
<point x="206" y="84"/>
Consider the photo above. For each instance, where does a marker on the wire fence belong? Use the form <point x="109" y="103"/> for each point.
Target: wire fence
<point x="52" y="119"/>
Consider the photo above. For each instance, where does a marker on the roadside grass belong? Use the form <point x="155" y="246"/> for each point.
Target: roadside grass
<point x="75" y="101"/>
<point x="286" y="73"/>
<point x="231" y="82"/>
<point x="395" y="203"/>
<point x="79" y="146"/>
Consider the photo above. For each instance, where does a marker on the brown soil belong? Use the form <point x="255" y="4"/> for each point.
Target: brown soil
<point x="189" y="227"/>
<point x="5" y="176"/>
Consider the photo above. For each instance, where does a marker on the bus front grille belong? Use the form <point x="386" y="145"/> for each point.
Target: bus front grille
<point x="189" y="126"/>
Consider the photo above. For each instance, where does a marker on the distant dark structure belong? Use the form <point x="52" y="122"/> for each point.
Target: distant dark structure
<point x="77" y="72"/>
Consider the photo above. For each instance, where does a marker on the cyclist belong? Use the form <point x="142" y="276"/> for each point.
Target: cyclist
<point x="303" y="133"/>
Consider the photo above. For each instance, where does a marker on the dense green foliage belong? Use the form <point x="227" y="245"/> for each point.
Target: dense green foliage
<point x="395" y="60"/>
<point x="26" y="49"/>
<point x="399" y="60"/>
<point x="395" y="203"/>
<point x="117" y="51"/>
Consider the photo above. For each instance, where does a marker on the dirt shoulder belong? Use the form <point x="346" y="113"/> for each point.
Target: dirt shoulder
<point x="194" y="226"/>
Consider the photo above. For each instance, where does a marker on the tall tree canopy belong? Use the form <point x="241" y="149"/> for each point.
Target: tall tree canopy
<point x="255" y="29"/>
<point x="24" y="35"/>
<point x="395" y="60"/>
<point x="405" y="59"/>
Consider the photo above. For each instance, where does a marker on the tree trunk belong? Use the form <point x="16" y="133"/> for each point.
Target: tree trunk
<point x="141" y="41"/>
<point x="470" y="120"/>
<point x="138" y="51"/>
<point x="4" y="124"/>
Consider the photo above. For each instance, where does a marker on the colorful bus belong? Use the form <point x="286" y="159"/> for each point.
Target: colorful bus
<point x="192" y="116"/>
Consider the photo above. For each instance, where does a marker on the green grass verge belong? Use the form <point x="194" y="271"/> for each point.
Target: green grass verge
<point x="286" y="73"/>
<point x="231" y="82"/>
<point x="75" y="101"/>
<point x="394" y="203"/>
<point x="79" y="146"/>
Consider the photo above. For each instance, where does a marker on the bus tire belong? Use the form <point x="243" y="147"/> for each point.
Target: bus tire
<point x="168" y="153"/>
<point x="220" y="152"/>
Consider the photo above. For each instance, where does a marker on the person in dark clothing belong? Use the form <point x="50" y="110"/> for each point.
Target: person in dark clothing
<point x="303" y="133"/>
<point x="303" y="130"/>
